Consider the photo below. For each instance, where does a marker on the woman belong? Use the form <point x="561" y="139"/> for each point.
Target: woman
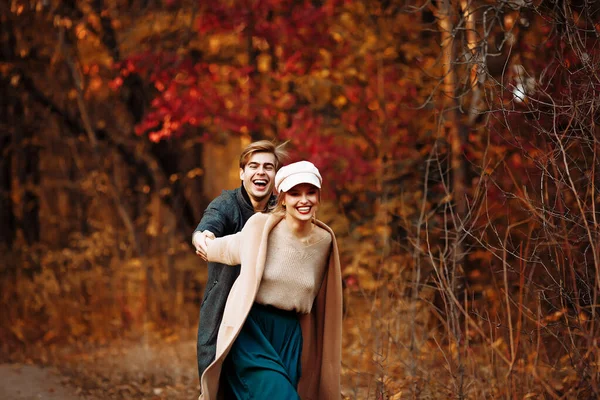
<point x="281" y="333"/>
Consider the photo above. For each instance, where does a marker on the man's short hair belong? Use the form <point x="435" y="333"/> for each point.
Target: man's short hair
<point x="264" y="146"/>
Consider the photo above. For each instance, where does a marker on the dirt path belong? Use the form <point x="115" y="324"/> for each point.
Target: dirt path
<point x="30" y="382"/>
<point x="153" y="366"/>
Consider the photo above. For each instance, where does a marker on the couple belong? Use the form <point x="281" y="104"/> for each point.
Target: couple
<point x="272" y="327"/>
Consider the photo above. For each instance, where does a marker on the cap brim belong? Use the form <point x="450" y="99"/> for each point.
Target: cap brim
<point x="296" y="179"/>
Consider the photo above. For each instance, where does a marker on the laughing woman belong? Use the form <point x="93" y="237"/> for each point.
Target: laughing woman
<point x="281" y="333"/>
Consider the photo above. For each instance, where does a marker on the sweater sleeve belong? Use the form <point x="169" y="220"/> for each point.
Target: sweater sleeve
<point x="228" y="249"/>
<point x="225" y="250"/>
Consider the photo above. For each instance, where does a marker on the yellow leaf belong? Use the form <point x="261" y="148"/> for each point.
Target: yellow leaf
<point x="172" y="338"/>
<point x="446" y="199"/>
<point x="555" y="316"/>
<point x="214" y="44"/>
<point x="195" y="172"/>
<point x="17" y="330"/>
<point x="264" y="62"/>
<point x="49" y="336"/>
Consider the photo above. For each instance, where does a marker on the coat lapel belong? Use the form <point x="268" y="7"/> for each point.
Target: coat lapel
<point x="321" y="333"/>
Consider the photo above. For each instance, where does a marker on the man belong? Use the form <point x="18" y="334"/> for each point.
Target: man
<point x="225" y="215"/>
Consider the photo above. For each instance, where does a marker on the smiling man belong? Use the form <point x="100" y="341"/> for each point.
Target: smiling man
<point x="225" y="215"/>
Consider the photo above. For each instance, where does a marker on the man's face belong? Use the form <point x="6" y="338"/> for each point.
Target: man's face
<point x="258" y="176"/>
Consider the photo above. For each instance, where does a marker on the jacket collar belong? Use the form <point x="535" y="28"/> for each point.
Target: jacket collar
<point x="245" y="199"/>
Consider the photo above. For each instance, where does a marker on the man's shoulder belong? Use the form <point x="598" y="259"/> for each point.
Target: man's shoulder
<point x="229" y="194"/>
<point x="226" y="198"/>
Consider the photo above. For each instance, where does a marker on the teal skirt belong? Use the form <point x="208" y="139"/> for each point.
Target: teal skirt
<point x="264" y="361"/>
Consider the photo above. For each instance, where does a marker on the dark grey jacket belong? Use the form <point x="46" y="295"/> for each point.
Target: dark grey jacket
<point x="225" y="215"/>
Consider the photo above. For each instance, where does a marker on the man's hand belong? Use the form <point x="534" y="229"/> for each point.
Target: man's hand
<point x="199" y="240"/>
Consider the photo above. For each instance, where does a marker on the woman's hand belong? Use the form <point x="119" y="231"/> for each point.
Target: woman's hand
<point x="200" y="240"/>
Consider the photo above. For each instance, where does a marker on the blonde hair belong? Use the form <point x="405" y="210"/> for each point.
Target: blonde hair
<point x="264" y="146"/>
<point x="279" y="208"/>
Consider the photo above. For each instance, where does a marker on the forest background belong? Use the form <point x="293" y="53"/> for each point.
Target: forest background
<point x="458" y="139"/>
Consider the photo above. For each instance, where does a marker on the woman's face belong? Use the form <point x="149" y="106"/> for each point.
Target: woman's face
<point x="302" y="201"/>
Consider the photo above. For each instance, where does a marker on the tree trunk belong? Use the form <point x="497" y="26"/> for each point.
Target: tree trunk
<point x="453" y="269"/>
<point x="7" y="217"/>
<point x="453" y="128"/>
<point x="29" y="179"/>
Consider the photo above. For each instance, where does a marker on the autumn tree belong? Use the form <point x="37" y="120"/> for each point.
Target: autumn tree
<point x="519" y="80"/>
<point x="458" y="141"/>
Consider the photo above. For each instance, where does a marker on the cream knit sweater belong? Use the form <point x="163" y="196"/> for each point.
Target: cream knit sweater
<point x="294" y="270"/>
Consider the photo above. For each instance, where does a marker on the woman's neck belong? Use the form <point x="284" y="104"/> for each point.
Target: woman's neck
<point x="299" y="228"/>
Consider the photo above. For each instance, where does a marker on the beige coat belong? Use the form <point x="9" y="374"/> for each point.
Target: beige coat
<point x="321" y="328"/>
